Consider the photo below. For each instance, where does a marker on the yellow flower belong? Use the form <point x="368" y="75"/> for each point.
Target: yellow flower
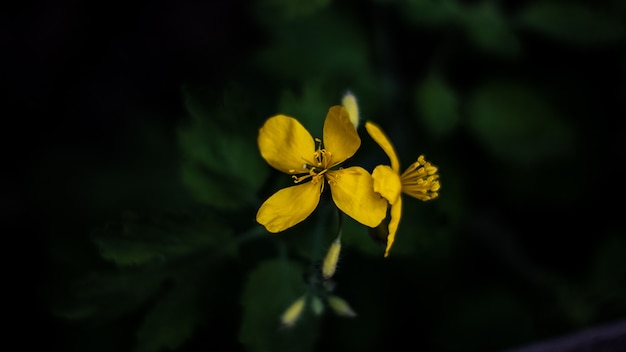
<point x="420" y="180"/>
<point x="288" y="147"/>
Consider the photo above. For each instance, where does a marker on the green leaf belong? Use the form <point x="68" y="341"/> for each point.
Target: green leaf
<point x="416" y="231"/>
<point x="327" y="44"/>
<point x="221" y="169"/>
<point x="489" y="30"/>
<point x="140" y="240"/>
<point x="221" y="165"/>
<point x="438" y="106"/>
<point x="359" y="237"/>
<point x="309" y="107"/>
<point x="572" y="23"/>
<point x="171" y="321"/>
<point x="270" y="289"/>
<point x="234" y="107"/>
<point x="429" y="13"/>
<point x="109" y="295"/>
<point x="516" y="124"/>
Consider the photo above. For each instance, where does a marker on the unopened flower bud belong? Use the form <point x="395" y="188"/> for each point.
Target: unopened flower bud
<point x="349" y="103"/>
<point x="293" y="313"/>
<point x="330" y="261"/>
<point x="340" y="306"/>
<point x="317" y="306"/>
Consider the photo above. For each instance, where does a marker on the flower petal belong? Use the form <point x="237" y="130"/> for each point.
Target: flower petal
<point x="285" y="144"/>
<point x="289" y="206"/>
<point x="387" y="183"/>
<point x="379" y="137"/>
<point x="395" y="213"/>
<point x="353" y="193"/>
<point x="340" y="136"/>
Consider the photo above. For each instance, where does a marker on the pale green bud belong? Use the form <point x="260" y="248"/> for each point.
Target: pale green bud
<point x="349" y="103"/>
<point x="330" y="261"/>
<point x="293" y="313"/>
<point x="340" y="306"/>
<point x="317" y="306"/>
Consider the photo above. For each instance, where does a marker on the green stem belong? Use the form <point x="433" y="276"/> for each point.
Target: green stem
<point x="339" y="223"/>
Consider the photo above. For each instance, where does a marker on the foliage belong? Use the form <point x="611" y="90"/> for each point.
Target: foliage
<point x="508" y="101"/>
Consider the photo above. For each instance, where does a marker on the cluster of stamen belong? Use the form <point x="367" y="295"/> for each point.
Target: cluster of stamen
<point x="421" y="180"/>
<point x="317" y="168"/>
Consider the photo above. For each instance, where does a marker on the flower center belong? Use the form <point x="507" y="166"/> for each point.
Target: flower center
<point x="421" y="180"/>
<point x="317" y="167"/>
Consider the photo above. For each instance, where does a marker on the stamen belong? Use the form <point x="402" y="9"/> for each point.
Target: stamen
<point x="421" y="180"/>
<point x="328" y="156"/>
<point x="317" y="169"/>
<point x="332" y="178"/>
<point x="298" y="179"/>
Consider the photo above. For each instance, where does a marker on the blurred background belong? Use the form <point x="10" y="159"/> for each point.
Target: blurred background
<point x="140" y="171"/>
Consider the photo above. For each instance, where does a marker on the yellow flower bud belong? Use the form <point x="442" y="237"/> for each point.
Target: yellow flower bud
<point x="330" y="261"/>
<point x="349" y="103"/>
<point x="340" y="306"/>
<point x="292" y="313"/>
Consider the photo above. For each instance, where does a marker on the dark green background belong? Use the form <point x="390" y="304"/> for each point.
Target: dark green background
<point x="138" y="156"/>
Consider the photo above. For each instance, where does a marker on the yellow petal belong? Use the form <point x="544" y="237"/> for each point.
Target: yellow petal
<point x="395" y="213"/>
<point x="289" y="206"/>
<point x="340" y="136"/>
<point x="379" y="137"/>
<point x="387" y="183"/>
<point x="285" y="144"/>
<point x="353" y="193"/>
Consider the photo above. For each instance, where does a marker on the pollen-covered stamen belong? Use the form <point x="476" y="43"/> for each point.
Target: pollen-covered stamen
<point x="321" y="156"/>
<point x="317" y="169"/>
<point x="421" y="180"/>
<point x="314" y="172"/>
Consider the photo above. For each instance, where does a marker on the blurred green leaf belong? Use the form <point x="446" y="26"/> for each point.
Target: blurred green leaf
<point x="110" y="295"/>
<point x="438" y="106"/>
<point x="516" y="124"/>
<point x="416" y="231"/>
<point x="221" y="164"/>
<point x="269" y="290"/>
<point x="429" y="12"/>
<point x="357" y="236"/>
<point x="310" y="107"/>
<point x="139" y="240"/>
<point x="327" y="44"/>
<point x="171" y="321"/>
<point x="572" y="23"/>
<point x="489" y="30"/>
<point x="315" y="96"/>
<point x="236" y="107"/>
<point x="222" y="169"/>
<point x="452" y="200"/>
